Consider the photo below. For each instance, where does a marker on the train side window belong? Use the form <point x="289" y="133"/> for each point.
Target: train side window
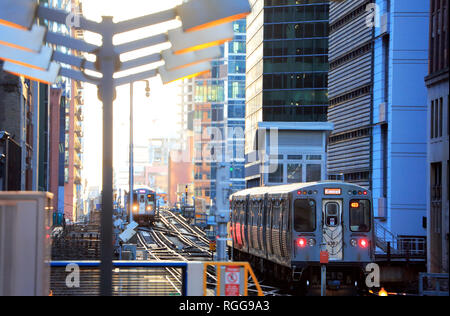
<point x="332" y="214"/>
<point x="305" y="215"/>
<point x="360" y="216"/>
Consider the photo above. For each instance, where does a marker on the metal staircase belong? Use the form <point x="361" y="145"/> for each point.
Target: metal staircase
<point x="391" y="245"/>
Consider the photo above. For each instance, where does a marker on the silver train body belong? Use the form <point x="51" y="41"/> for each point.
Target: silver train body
<point x="144" y="210"/>
<point x="282" y="230"/>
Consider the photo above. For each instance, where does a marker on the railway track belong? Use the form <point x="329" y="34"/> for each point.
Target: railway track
<point x="172" y="239"/>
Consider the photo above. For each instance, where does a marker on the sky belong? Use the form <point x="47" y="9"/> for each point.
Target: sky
<point x="153" y="116"/>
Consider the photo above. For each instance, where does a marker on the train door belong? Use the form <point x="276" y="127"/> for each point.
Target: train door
<point x="268" y="214"/>
<point x="332" y="228"/>
<point x="259" y="225"/>
<point x="142" y="203"/>
<point x="285" y="231"/>
<point x="276" y="228"/>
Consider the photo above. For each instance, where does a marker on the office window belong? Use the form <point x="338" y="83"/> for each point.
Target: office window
<point x="436" y="118"/>
<point x="313" y="173"/>
<point x="294" y="173"/>
<point x="277" y="176"/>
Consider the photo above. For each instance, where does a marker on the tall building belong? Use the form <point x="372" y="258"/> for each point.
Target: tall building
<point x="377" y="102"/>
<point x="234" y="108"/>
<point x="66" y="136"/>
<point x="218" y="119"/>
<point x="438" y="139"/>
<point x="286" y="92"/>
<point x="58" y="100"/>
<point x="19" y="112"/>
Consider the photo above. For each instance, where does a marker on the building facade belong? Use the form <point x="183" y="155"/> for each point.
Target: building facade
<point x="376" y="95"/>
<point x="286" y="92"/>
<point x="215" y="110"/>
<point x="437" y="83"/>
<point x="20" y="108"/>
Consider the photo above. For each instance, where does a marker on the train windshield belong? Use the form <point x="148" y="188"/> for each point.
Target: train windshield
<point x="305" y="215"/>
<point x="360" y="215"/>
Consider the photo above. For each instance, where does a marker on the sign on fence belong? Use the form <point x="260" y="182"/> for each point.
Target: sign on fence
<point x="232" y="279"/>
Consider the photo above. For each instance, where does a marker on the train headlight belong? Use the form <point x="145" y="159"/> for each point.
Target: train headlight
<point x="301" y="242"/>
<point x="353" y="242"/>
<point x="135" y="208"/>
<point x="149" y="208"/>
<point x="363" y="243"/>
<point x="312" y="242"/>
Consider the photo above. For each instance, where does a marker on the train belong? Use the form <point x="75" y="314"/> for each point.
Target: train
<point x="282" y="230"/>
<point x="145" y="209"/>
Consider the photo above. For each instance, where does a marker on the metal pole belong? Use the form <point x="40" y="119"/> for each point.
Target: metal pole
<point x="107" y="61"/>
<point x="323" y="287"/>
<point x="130" y="210"/>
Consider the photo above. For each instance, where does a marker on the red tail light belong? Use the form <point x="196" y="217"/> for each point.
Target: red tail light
<point x="363" y="243"/>
<point x="301" y="242"/>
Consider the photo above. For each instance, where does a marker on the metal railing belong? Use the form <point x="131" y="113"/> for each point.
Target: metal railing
<point x="384" y="237"/>
<point x="433" y="284"/>
<point x="130" y="278"/>
<point x="392" y="244"/>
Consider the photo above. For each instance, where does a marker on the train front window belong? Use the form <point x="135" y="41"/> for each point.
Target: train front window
<point x="360" y="216"/>
<point x="332" y="214"/>
<point x="142" y="199"/>
<point x="305" y="215"/>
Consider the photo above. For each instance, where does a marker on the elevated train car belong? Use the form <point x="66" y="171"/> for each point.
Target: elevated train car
<point x="281" y="231"/>
<point x="144" y="210"/>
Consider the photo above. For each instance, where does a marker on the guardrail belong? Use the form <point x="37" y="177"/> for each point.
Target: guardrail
<point x="407" y="247"/>
<point x="130" y="278"/>
<point x="433" y="284"/>
<point x="152" y="278"/>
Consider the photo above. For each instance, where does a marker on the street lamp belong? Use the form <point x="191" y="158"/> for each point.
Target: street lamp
<point x="131" y="197"/>
<point x="197" y="17"/>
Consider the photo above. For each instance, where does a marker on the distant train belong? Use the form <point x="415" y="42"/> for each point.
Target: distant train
<point x="145" y="211"/>
<point x="281" y="231"/>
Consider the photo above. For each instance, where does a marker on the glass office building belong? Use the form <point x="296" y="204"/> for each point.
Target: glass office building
<point x="287" y="75"/>
<point x="219" y="118"/>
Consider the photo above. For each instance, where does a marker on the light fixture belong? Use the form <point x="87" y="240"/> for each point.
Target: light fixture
<point x="18" y="13"/>
<point x="174" y="62"/>
<point x="23" y="39"/>
<point x="201" y="14"/>
<point x="183" y="42"/>
<point x="168" y="76"/>
<point x="49" y="76"/>
<point x="40" y="60"/>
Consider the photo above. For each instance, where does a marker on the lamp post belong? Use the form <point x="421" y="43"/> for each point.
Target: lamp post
<point x="131" y="197"/>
